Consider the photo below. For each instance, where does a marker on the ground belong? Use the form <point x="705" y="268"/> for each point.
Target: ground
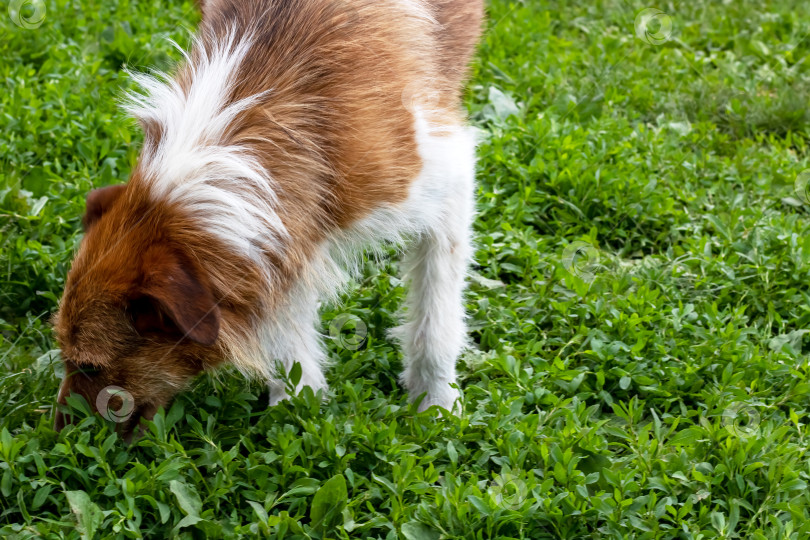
<point x="638" y="307"/>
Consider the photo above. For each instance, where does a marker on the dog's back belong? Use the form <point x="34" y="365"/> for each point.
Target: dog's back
<point x="460" y="29"/>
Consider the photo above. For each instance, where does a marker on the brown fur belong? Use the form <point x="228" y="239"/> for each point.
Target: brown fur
<point x="150" y="295"/>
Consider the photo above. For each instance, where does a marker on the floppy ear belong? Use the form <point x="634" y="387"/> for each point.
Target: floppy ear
<point x="99" y="201"/>
<point x="173" y="288"/>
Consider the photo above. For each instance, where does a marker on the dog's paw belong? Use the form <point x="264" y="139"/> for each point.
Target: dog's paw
<point x="278" y="392"/>
<point x="277" y="395"/>
<point x="445" y="396"/>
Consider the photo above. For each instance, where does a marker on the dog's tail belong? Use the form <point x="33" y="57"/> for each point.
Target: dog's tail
<point x="461" y="23"/>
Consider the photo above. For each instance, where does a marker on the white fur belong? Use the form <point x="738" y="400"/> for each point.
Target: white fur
<point x="289" y="336"/>
<point x="435" y="219"/>
<point x="434" y="333"/>
<point x="222" y="185"/>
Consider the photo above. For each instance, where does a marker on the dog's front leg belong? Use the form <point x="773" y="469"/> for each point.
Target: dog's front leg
<point x="290" y="335"/>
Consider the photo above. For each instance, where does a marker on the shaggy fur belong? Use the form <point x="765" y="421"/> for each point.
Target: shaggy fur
<point x="295" y="135"/>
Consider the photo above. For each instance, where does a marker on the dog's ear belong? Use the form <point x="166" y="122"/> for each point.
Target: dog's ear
<point x="175" y="297"/>
<point x="99" y="201"/>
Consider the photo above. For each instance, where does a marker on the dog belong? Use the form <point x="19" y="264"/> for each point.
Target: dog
<point x="295" y="136"/>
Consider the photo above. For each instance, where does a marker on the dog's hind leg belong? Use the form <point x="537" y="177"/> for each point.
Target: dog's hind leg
<point x="434" y="332"/>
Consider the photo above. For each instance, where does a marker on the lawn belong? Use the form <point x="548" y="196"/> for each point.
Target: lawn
<point x="638" y="309"/>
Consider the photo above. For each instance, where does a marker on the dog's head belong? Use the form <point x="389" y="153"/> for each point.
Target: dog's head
<point x="137" y="319"/>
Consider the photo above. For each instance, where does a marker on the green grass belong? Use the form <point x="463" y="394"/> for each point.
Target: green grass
<point x="656" y="386"/>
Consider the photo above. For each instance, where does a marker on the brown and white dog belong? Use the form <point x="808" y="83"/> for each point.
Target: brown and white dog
<point x="296" y="135"/>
